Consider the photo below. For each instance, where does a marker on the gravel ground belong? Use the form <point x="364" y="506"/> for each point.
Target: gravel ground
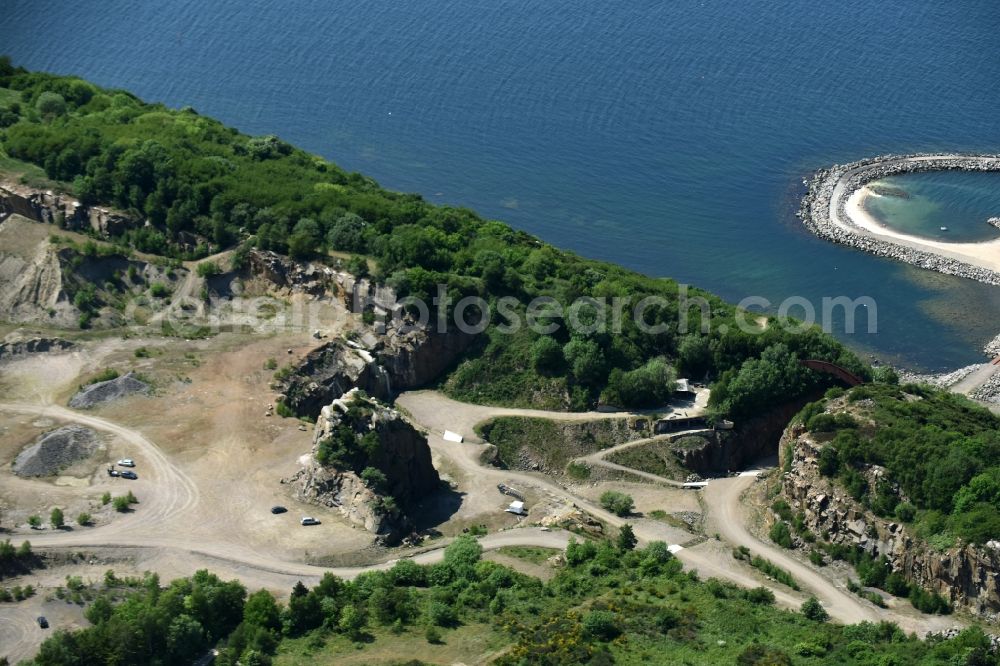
<point x="113" y="389"/>
<point x="56" y="450"/>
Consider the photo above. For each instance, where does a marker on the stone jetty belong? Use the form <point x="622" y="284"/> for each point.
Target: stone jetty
<point x="823" y="208"/>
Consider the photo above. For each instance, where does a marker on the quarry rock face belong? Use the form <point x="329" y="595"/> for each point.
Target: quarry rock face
<point x="402" y="455"/>
<point x="966" y="574"/>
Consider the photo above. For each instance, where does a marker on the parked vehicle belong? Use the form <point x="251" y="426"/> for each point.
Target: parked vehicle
<point x="309" y="520"/>
<point x="126" y="462"/>
<point x="278" y="509"/>
<point x="42" y="622"/>
<point x="129" y="475"/>
<point x="113" y="472"/>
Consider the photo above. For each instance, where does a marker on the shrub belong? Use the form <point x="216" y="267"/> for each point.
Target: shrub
<point x="617" y="503"/>
<point x="159" y="290"/>
<point x="105" y="498"/>
<point x="433" y="635"/>
<point x="121" y="504"/>
<point x="35" y="522"/>
<point x="781" y="535"/>
<point x="56" y="518"/>
<point x="601" y="624"/>
<point x="83" y="519"/>
<point x="208" y="269"/>
<point x="814" y="610"/>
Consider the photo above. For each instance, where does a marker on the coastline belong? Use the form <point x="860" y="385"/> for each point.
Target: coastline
<point x="832" y="210"/>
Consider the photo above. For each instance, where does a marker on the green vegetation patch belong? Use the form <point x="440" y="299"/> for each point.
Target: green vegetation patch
<point x="205" y="187"/>
<point x="553" y="444"/>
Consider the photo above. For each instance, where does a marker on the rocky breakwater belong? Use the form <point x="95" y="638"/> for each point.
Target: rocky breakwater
<point x="966" y="574"/>
<point x="369" y="464"/>
<point x="63" y="210"/>
<point x="823" y="208"/>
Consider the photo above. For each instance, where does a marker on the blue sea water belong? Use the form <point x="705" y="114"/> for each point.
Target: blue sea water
<point x="671" y="137"/>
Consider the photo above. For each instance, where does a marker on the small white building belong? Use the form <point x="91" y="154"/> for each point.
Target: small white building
<point x="517" y="508"/>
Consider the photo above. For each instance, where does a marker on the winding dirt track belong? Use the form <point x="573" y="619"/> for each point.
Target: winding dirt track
<point x="158" y="525"/>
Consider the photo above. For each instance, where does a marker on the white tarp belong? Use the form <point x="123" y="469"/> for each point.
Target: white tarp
<point x="450" y="436"/>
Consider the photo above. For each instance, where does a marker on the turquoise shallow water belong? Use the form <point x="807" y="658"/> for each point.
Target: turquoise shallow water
<point x="922" y="203"/>
<point x="669" y="137"/>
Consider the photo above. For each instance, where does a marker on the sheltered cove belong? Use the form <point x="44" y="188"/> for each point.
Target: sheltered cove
<point x="831" y="209"/>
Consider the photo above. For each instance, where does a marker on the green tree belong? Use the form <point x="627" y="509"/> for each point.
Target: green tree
<point x="351" y="621"/>
<point x="601" y="624"/>
<point x="547" y="355"/>
<point x="50" y="104"/>
<point x="617" y="503"/>
<point x="626" y="538"/>
<point x="586" y="360"/>
<point x="814" y="610"/>
<point x="261" y="610"/>
<point x="357" y="266"/>
<point x="35" y="522"/>
<point x="56" y="518"/>
<point x="305" y="239"/>
<point x="781" y="535"/>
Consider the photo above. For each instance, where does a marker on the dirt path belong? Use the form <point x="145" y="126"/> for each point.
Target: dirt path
<point x="975" y="379"/>
<point x="171" y="492"/>
<point x="599" y="458"/>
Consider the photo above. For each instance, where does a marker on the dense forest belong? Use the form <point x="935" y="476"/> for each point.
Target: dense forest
<point x="941" y="452"/>
<point x="607" y="604"/>
<point x="203" y="187"/>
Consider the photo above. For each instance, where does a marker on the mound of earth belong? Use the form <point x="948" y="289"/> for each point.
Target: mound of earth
<point x="55" y="451"/>
<point x="113" y="389"/>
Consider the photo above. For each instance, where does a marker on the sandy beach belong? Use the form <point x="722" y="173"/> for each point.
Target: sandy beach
<point x="984" y="254"/>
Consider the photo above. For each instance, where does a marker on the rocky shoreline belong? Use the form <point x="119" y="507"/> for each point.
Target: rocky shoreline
<point x="842" y="180"/>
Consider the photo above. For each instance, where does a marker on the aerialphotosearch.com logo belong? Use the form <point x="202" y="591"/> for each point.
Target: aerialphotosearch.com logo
<point x="587" y="315"/>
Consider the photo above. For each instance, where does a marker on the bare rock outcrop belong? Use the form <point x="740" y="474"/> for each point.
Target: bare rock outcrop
<point x="966" y="574"/>
<point x="34" y="346"/>
<point x="63" y="210"/>
<point x="401" y="455"/>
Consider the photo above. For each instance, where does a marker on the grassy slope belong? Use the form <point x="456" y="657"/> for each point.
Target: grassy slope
<point x="550" y="443"/>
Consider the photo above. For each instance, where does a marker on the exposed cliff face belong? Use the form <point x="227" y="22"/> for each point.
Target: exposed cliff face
<point x="393" y="356"/>
<point x="402" y="455"/>
<point x="725" y="451"/>
<point x="63" y="210"/>
<point x="330" y="371"/>
<point x="966" y="574"/>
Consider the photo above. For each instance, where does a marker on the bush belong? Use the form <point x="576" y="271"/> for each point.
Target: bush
<point x="35" y="522"/>
<point x="208" y="269"/>
<point x="105" y="498"/>
<point x="601" y="624"/>
<point x="83" y="519"/>
<point x="121" y="504"/>
<point x="56" y="518"/>
<point x="814" y="610"/>
<point x="433" y="635"/>
<point x="159" y="290"/>
<point x="781" y="535"/>
<point x="617" y="503"/>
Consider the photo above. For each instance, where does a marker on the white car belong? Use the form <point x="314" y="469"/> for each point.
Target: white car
<point x="126" y="462"/>
<point x="309" y="520"/>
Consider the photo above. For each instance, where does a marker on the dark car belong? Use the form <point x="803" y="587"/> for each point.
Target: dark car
<point x="278" y="509"/>
<point x="129" y="475"/>
<point x="42" y="622"/>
